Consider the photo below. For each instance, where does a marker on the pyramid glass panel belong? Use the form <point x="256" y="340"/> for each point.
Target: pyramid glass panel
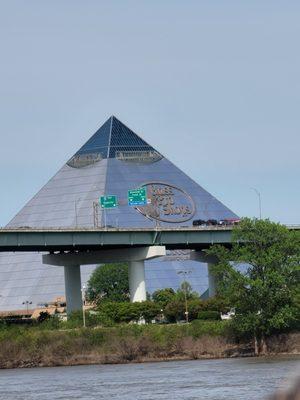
<point x="99" y="142"/>
<point x="124" y="139"/>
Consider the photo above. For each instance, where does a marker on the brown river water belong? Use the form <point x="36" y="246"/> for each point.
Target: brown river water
<point x="243" y="378"/>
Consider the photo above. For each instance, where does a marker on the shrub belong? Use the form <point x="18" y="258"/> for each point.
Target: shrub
<point x="44" y="316"/>
<point x="199" y="328"/>
<point x="75" y="320"/>
<point x="148" y="309"/>
<point x="194" y="307"/>
<point x="51" y="322"/>
<point x="209" y="315"/>
<point x="174" y="310"/>
<point x="127" y="312"/>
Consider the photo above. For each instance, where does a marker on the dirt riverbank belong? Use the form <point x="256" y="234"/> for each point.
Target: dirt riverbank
<point x="37" y="348"/>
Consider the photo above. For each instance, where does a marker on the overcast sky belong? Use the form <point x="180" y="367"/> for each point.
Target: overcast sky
<point x="213" y="85"/>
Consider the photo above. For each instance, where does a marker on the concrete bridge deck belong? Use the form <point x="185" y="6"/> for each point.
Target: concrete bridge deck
<point x="76" y="239"/>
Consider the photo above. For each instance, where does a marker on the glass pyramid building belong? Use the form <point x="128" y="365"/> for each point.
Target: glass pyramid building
<point x="112" y="161"/>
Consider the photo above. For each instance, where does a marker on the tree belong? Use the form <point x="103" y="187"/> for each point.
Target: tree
<point x="109" y="282"/>
<point x="163" y="296"/>
<point x="264" y="296"/>
<point x="174" y="310"/>
<point x="186" y="292"/>
<point x="175" y="303"/>
<point x="148" y="310"/>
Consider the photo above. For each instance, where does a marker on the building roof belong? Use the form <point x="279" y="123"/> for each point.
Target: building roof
<point x="111" y="137"/>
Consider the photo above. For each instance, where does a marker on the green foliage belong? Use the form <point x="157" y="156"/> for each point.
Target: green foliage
<point x="265" y="296"/>
<point x="114" y="312"/>
<point x="50" y="323"/>
<point x="74" y="320"/>
<point x="163" y="296"/>
<point x="194" y="307"/>
<point x="174" y="310"/>
<point x="174" y="303"/>
<point x="34" y="346"/>
<point x="44" y="316"/>
<point x="186" y="290"/>
<point x="109" y="282"/>
<point x="199" y="328"/>
<point x="209" y="315"/>
<point x="148" y="310"/>
<point x="217" y="303"/>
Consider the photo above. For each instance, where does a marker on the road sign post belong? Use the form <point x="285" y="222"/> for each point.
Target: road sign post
<point x="108" y="202"/>
<point x="137" y="197"/>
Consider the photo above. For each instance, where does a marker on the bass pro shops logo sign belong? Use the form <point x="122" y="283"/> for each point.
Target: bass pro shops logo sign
<point x="167" y="203"/>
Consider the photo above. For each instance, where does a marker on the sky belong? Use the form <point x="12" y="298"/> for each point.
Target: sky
<point x="213" y="85"/>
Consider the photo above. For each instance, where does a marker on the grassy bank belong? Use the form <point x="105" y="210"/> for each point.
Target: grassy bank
<point x="34" y="346"/>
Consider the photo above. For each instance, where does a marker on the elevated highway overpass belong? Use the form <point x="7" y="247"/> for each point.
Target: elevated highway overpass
<point x="89" y="239"/>
<point x="73" y="247"/>
<point x="81" y="239"/>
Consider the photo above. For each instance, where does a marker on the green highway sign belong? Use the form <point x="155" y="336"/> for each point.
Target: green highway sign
<point x="108" y="201"/>
<point x="137" y="197"/>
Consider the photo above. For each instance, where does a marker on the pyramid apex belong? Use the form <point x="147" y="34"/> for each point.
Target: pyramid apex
<point x="113" y="117"/>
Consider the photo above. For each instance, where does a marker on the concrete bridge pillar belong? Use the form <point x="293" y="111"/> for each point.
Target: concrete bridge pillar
<point x="212" y="281"/>
<point x="73" y="260"/>
<point x="73" y="288"/>
<point x="137" y="284"/>
<point x="210" y="261"/>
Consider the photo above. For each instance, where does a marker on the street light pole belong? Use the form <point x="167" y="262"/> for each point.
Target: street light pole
<point x="83" y="304"/>
<point x="27" y="305"/>
<point x="259" y="200"/>
<point x="186" y="305"/>
<point x="185" y="273"/>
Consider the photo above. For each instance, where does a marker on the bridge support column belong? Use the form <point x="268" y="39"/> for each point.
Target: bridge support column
<point x="137" y="285"/>
<point x="210" y="261"/>
<point x="72" y="262"/>
<point x="73" y="288"/>
<point x="212" y="280"/>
